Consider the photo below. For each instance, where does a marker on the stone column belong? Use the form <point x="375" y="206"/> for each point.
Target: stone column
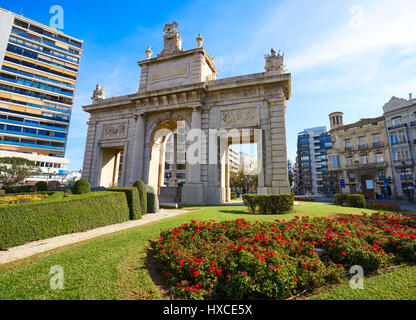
<point x="172" y="179"/>
<point x="138" y="159"/>
<point x="280" y="180"/>
<point x="192" y="191"/>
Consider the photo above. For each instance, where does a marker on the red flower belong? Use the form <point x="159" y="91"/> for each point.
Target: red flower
<point x="196" y="274"/>
<point x="219" y="272"/>
<point x="343" y="253"/>
<point x="296" y="278"/>
<point x="228" y="276"/>
<point x="166" y="274"/>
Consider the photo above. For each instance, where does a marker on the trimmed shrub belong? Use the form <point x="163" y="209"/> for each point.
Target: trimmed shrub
<point x="2" y="192"/>
<point x="339" y="198"/>
<point x="233" y="195"/>
<point x="18" y="189"/>
<point x="152" y="200"/>
<point x="132" y="195"/>
<point x="81" y="186"/>
<point x="275" y="203"/>
<point x="251" y="202"/>
<point x="22" y="223"/>
<point x="96" y="189"/>
<point x="355" y="200"/>
<point x="53" y="196"/>
<point x="41" y="186"/>
<point x="269" y="203"/>
<point x="143" y="195"/>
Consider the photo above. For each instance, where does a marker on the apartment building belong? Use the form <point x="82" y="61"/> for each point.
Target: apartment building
<point x="312" y="161"/>
<point x="360" y="156"/>
<point x="400" y="121"/>
<point x="39" y="69"/>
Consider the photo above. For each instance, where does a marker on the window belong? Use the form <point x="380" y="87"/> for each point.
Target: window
<point x="400" y="155"/>
<point x="351" y="176"/>
<point x="363" y="158"/>
<point x="347" y="143"/>
<point x="396" y="121"/>
<point x="379" y="157"/>
<point x="360" y="141"/>
<point x="398" y="137"/>
<point x="349" y="161"/>
<point x="381" y="174"/>
<point x="376" y="138"/>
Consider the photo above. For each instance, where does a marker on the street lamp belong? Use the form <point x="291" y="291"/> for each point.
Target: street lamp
<point x="403" y="170"/>
<point x="79" y="171"/>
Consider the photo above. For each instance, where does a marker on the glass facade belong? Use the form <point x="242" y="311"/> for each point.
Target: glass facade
<point x="37" y="84"/>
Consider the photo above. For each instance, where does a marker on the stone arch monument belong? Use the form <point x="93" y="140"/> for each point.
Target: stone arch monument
<point x="127" y="135"/>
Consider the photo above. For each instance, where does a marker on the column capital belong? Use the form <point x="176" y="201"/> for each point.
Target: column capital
<point x="139" y="115"/>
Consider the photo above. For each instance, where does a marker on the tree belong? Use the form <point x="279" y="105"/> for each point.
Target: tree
<point x="291" y="173"/>
<point x="14" y="170"/>
<point x="241" y="182"/>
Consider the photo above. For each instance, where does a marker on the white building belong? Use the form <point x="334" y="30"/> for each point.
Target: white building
<point x="400" y="121"/>
<point x="53" y="168"/>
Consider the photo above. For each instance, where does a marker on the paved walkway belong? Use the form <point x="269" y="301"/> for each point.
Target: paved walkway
<point x="32" y="248"/>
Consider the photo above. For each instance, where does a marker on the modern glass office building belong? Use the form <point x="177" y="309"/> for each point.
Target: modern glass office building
<point x="312" y="159"/>
<point x="39" y="68"/>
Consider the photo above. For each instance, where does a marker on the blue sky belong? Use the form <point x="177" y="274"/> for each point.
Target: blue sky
<point x="348" y="56"/>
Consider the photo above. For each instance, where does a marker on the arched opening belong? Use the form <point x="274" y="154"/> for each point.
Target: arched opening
<point x="242" y="170"/>
<point x="167" y="160"/>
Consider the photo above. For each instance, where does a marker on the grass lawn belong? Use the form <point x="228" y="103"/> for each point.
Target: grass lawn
<point x="397" y="285"/>
<point x="116" y="266"/>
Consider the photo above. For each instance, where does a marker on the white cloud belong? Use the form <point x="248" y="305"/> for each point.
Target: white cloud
<point x="384" y="24"/>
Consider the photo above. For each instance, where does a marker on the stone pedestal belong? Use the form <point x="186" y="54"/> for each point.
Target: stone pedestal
<point x="193" y="193"/>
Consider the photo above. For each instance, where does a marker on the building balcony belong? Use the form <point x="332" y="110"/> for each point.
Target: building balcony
<point x="377" y="144"/>
<point x="357" y="166"/>
<point x="398" y="143"/>
<point x="348" y="149"/>
<point x="398" y="126"/>
<point x="402" y="163"/>
<point x="362" y="146"/>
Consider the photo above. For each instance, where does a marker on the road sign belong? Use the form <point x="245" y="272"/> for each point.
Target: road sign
<point x="342" y="183"/>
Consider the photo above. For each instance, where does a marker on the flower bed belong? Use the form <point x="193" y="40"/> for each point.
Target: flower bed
<point x="384" y="207"/>
<point x="305" y="199"/>
<point x="22" y="198"/>
<point x="249" y="260"/>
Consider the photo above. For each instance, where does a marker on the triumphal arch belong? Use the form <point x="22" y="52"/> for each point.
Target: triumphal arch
<point x="127" y="135"/>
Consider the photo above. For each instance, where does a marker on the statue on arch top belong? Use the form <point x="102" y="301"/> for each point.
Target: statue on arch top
<point x="172" y="41"/>
<point x="274" y="62"/>
<point x="98" y="93"/>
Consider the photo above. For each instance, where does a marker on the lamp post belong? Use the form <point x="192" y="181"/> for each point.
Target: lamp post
<point x="403" y="170"/>
<point x="79" y="171"/>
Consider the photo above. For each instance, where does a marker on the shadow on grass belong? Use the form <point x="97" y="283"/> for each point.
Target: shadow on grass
<point x="155" y="275"/>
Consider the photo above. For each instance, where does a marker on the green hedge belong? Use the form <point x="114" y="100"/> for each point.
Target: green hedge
<point x="22" y="223"/>
<point x="355" y="200"/>
<point x="251" y="201"/>
<point x="81" y="186"/>
<point x="339" y="198"/>
<point x="133" y="200"/>
<point x="18" y="189"/>
<point x="141" y="187"/>
<point x="2" y="192"/>
<point x="352" y="200"/>
<point x="233" y="195"/>
<point x="41" y="186"/>
<point x="269" y="203"/>
<point x="152" y="200"/>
